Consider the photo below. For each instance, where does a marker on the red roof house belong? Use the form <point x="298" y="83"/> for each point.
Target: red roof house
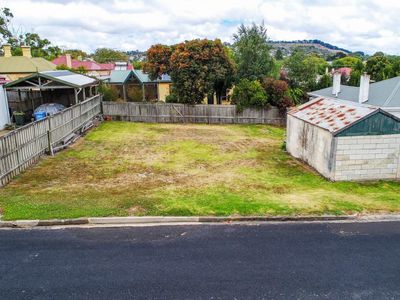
<point x="93" y="68"/>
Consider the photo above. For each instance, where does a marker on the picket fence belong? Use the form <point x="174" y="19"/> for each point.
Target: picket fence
<point x="24" y="146"/>
<point x="184" y="113"/>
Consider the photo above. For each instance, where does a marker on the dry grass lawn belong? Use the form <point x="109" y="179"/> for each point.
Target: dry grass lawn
<point x="122" y="169"/>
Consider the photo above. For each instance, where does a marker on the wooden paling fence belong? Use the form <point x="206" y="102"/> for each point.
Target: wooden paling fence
<point x="184" y="113"/>
<point x="22" y="147"/>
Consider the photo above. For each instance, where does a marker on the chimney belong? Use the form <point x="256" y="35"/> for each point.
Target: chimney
<point x="68" y="60"/>
<point x="336" y="83"/>
<point x="26" y="51"/>
<point x="364" y="88"/>
<point x="7" y="50"/>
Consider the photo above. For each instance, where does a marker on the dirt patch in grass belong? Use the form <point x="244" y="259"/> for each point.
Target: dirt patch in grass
<point x="184" y="169"/>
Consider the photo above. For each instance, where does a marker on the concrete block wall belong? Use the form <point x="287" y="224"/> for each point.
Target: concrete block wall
<point x="367" y="158"/>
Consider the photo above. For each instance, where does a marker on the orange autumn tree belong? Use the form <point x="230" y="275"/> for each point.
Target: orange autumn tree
<point x="197" y="68"/>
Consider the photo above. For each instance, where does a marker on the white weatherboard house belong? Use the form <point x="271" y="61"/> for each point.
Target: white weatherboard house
<point x="345" y="140"/>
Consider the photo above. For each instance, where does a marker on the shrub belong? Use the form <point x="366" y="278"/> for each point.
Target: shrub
<point x="172" y="98"/>
<point x="110" y="93"/>
<point x="134" y="94"/>
<point x="278" y="93"/>
<point x="249" y="94"/>
<point x="297" y="95"/>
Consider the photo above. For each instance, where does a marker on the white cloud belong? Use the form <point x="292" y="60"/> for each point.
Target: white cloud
<point x="369" y="25"/>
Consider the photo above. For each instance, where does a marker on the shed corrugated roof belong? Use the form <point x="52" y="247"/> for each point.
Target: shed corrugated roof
<point x="71" y="77"/>
<point x="331" y="114"/>
<point x="63" y="76"/>
<point x="22" y="64"/>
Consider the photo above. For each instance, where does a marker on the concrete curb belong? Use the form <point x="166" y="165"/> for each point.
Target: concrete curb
<point x="176" y="220"/>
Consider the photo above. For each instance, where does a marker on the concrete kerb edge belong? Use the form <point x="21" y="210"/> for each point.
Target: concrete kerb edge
<point x="153" y="220"/>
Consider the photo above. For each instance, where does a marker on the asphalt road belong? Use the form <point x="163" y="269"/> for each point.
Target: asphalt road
<point x="285" y="261"/>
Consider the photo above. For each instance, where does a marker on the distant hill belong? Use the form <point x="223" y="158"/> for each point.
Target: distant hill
<point x="321" y="48"/>
<point x="310" y="46"/>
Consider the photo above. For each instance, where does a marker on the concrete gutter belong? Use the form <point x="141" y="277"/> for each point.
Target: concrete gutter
<point x="126" y="221"/>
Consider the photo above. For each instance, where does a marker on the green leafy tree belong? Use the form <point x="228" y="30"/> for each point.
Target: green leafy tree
<point x="105" y="55"/>
<point x="195" y="67"/>
<point x="302" y="70"/>
<point x="318" y="63"/>
<point x="249" y="94"/>
<point x="297" y="95"/>
<point x="278" y="54"/>
<point x="355" y="78"/>
<point x="252" y="52"/>
<point x="395" y="62"/>
<point x="5" y="20"/>
<point x="324" y="81"/>
<point x="137" y="65"/>
<point x="76" y="53"/>
<point x="80" y="69"/>
<point x="348" y="61"/>
<point x="379" y="67"/>
<point x="39" y="47"/>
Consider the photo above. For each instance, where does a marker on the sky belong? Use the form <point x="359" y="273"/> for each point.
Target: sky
<point x="367" y="25"/>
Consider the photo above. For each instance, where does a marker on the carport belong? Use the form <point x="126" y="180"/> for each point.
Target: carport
<point x="63" y="87"/>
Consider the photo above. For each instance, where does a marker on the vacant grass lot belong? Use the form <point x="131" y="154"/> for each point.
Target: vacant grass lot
<point x="122" y="169"/>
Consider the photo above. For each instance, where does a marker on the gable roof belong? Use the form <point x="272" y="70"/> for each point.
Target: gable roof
<point x="23" y="64"/>
<point x="385" y="93"/>
<point x="121" y="76"/>
<point x="332" y="114"/>
<point x="67" y="78"/>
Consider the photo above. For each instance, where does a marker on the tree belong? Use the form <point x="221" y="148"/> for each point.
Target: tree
<point x="105" y="55"/>
<point x="249" y="94"/>
<point x="355" y="78"/>
<point x="379" y="67"/>
<point x="252" y="52"/>
<point x="324" y="81"/>
<point x="317" y="62"/>
<point x="158" y="61"/>
<point x="278" y="54"/>
<point x="277" y="93"/>
<point x="137" y="64"/>
<point x="196" y="68"/>
<point x="302" y="70"/>
<point x="39" y="47"/>
<point x="76" y="53"/>
<point x="395" y="62"/>
<point x="5" y="20"/>
<point x="347" y="61"/>
<point x="80" y="69"/>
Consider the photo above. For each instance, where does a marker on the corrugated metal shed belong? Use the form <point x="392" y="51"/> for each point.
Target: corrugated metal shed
<point x="331" y="114"/>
